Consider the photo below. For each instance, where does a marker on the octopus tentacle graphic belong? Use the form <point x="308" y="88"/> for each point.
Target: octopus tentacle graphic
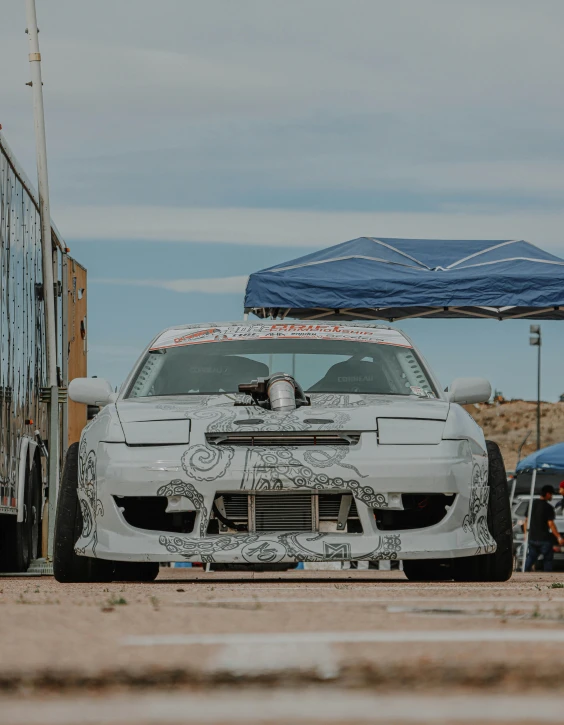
<point x="206" y="463"/>
<point x="183" y="488"/>
<point x="188" y="548"/>
<point x="476" y="520"/>
<point x="90" y="505"/>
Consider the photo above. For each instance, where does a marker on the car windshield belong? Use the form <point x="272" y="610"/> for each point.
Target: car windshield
<point x="318" y="365"/>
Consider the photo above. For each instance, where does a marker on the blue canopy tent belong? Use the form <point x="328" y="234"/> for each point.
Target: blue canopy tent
<point x="546" y="465"/>
<point x="544" y="461"/>
<point x="549" y="460"/>
<point x="393" y="279"/>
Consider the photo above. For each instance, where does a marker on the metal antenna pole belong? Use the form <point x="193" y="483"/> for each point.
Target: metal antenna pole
<point x="47" y="259"/>
<point x="521" y="446"/>
<point x="539" y="394"/>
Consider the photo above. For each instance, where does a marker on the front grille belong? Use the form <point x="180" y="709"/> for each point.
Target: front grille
<point x="283" y="438"/>
<point x="269" y="511"/>
<point x="284" y="512"/>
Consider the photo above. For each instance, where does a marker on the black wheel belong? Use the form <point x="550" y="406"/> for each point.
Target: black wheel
<point x="496" y="567"/>
<point x="428" y="570"/>
<point x="136" y="571"/>
<point x="67" y="566"/>
<point x="19" y="541"/>
<point x="22" y="551"/>
<point x="14" y="543"/>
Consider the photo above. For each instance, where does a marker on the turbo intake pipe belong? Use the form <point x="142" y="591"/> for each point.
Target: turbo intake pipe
<point x="281" y="392"/>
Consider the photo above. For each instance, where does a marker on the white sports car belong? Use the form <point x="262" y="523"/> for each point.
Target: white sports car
<point x="270" y="443"/>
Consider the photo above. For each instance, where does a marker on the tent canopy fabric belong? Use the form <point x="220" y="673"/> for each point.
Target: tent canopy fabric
<point x="391" y="279"/>
<point x="546" y="459"/>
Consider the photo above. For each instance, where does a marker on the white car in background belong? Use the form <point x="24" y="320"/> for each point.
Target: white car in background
<point x="278" y="442"/>
<point x="519" y="514"/>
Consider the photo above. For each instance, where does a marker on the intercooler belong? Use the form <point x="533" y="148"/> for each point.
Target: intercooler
<point x="270" y="511"/>
<point x="284" y="512"/>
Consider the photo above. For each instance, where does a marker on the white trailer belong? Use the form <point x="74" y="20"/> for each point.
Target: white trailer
<point x="24" y="391"/>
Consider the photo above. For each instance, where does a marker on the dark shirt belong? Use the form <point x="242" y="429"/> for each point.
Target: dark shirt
<point x="542" y="513"/>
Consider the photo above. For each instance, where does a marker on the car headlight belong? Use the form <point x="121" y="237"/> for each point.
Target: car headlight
<point x="408" y="431"/>
<point x="157" y="432"/>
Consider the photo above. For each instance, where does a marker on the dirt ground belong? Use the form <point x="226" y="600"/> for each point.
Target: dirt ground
<point x="309" y="646"/>
<point x="508" y="423"/>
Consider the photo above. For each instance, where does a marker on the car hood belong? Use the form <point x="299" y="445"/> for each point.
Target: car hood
<point x="327" y="411"/>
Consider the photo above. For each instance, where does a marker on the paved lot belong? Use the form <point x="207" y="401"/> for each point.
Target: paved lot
<point x="385" y="648"/>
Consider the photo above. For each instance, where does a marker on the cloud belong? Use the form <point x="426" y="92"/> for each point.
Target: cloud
<point x="250" y="103"/>
<point x="298" y="228"/>
<point x="213" y="285"/>
<point x="289" y="124"/>
<point x="301" y="59"/>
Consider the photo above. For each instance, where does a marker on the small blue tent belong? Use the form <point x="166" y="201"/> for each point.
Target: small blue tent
<point x="391" y="279"/>
<point x="546" y="459"/>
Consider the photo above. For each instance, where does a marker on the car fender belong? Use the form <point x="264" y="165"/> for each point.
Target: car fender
<point x="105" y="427"/>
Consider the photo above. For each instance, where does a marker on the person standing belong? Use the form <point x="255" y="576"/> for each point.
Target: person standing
<point x="541" y="530"/>
<point x="560" y="504"/>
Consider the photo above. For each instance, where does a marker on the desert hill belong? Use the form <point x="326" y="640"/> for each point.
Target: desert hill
<point x="508" y="422"/>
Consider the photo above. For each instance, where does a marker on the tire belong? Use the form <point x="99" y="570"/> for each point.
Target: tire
<point x="136" y="571"/>
<point x="67" y="566"/>
<point x="22" y="551"/>
<point x="19" y="541"/>
<point x="496" y="567"/>
<point x="14" y="543"/>
<point x="428" y="570"/>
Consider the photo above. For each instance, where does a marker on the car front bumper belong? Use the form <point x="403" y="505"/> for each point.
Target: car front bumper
<point x="116" y="470"/>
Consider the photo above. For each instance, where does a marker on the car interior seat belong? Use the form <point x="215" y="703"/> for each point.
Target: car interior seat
<point x="207" y="374"/>
<point x="353" y="376"/>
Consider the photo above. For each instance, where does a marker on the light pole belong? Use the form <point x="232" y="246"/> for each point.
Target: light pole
<point x="536" y="339"/>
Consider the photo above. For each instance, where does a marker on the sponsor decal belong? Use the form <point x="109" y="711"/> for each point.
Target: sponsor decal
<point x="336" y="551"/>
<point x="422" y="393"/>
<point x="195" y="336"/>
<point x="265" y="552"/>
<point x="174" y="338"/>
<point x="418" y="391"/>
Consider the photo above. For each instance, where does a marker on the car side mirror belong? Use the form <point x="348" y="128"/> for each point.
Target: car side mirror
<point x="91" y="391"/>
<point x="469" y="390"/>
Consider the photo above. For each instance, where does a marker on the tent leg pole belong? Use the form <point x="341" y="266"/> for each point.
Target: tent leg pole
<point x="513" y="486"/>
<point x="526" y="542"/>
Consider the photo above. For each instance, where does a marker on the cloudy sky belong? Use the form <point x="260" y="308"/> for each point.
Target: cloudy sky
<point x="191" y="143"/>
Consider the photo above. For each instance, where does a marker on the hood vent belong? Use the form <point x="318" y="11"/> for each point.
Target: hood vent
<point x="283" y="438"/>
